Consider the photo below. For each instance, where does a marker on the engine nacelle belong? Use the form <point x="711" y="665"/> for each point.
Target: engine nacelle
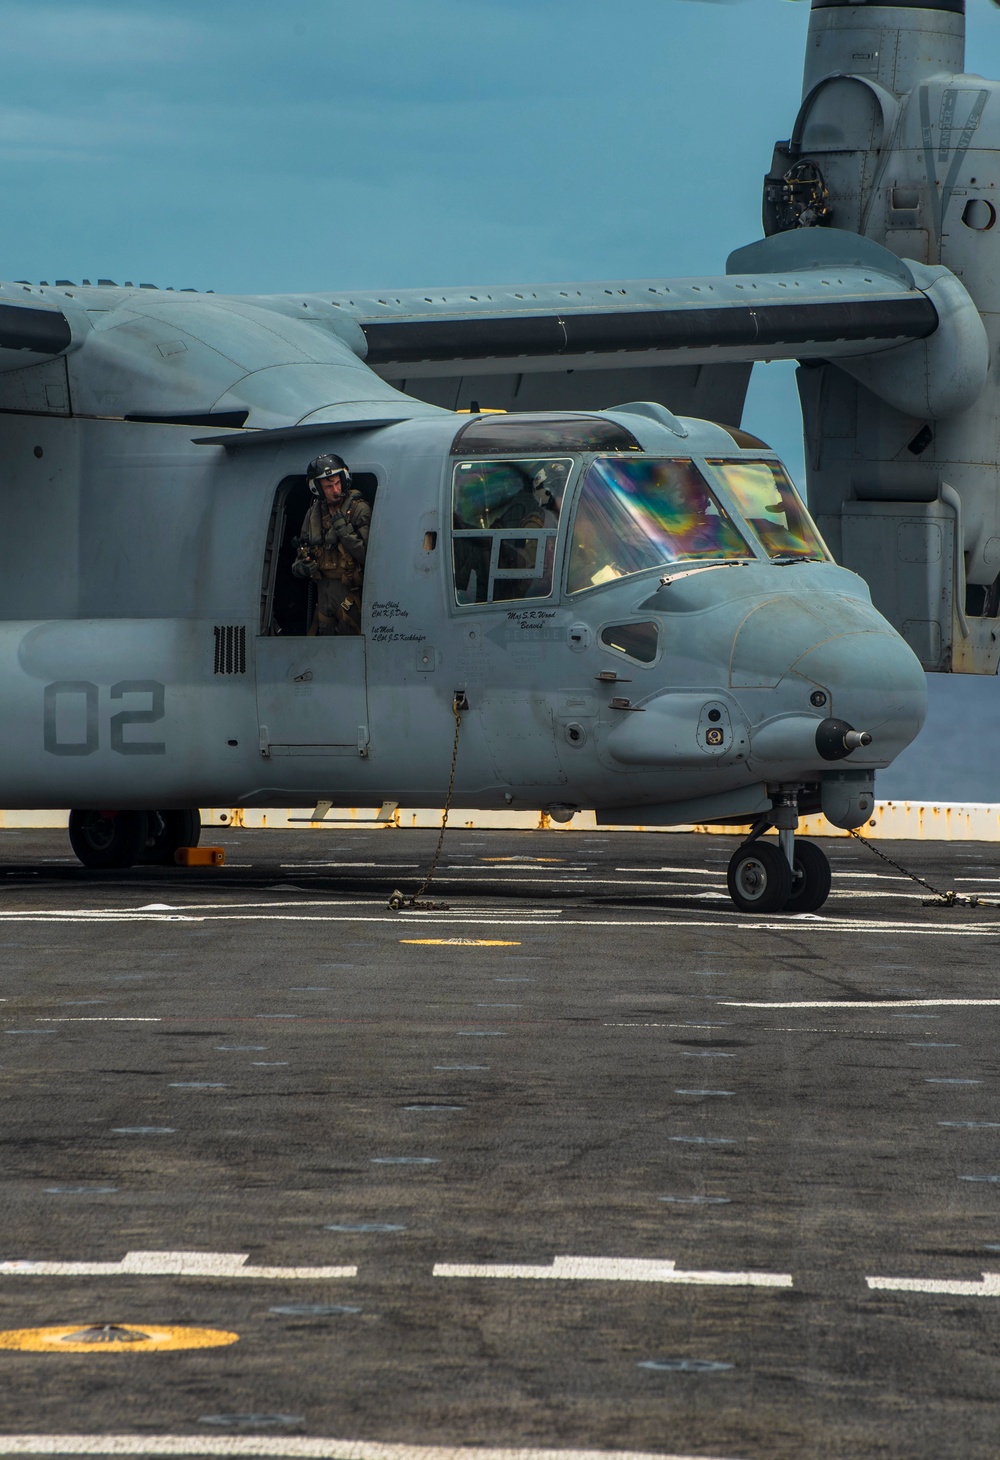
<point x="894" y="142"/>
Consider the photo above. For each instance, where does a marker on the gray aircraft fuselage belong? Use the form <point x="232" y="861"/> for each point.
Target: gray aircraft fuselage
<point x="142" y="664"/>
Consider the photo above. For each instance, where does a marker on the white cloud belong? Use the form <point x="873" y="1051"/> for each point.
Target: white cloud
<point x="94" y="35"/>
<point x="29" y="134"/>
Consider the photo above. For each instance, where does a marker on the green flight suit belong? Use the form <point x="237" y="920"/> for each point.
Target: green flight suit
<point x="333" y="545"/>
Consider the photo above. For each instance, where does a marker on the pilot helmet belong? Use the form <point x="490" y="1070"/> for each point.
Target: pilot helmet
<point x="547" y="480"/>
<point x="327" y="466"/>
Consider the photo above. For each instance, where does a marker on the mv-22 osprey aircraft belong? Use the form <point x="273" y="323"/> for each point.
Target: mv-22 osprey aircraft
<point x="613" y="589"/>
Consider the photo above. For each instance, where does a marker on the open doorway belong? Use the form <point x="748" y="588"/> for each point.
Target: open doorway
<point x="287" y="603"/>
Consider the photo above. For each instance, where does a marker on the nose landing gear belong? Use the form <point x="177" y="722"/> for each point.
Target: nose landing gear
<point x="792" y="876"/>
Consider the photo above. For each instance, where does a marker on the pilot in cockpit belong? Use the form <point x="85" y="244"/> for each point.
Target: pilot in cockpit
<point x="548" y="485"/>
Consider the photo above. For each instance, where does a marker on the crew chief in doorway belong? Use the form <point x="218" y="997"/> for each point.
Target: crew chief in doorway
<point x="333" y="545"/>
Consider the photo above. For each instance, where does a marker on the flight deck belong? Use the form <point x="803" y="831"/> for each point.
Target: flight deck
<point x="585" y="1161"/>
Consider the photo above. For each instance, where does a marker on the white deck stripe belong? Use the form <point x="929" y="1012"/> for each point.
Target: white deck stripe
<point x="615" y="1270"/>
<point x="988" y="1288"/>
<point x="868" y="1004"/>
<point x="174" y="1264"/>
<point x="521" y="920"/>
<point x="294" y="1446"/>
<point x="233" y="1265"/>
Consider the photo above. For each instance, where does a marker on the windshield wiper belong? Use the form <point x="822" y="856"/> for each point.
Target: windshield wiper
<point x="701" y="568"/>
<point x="785" y="560"/>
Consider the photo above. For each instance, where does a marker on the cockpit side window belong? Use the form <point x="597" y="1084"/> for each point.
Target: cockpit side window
<point x="504" y="527"/>
<point x="773" y="508"/>
<point x="637" y="513"/>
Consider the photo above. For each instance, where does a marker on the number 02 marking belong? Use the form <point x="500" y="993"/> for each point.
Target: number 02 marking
<point x="86" y="697"/>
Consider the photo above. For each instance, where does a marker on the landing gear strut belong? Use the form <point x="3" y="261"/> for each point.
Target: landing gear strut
<point x="811" y="878"/>
<point x="116" y="839"/>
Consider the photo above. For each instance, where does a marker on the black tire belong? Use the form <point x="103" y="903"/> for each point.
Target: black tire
<point x="759" y="878"/>
<point x="168" y="830"/>
<point x="810" y="880"/>
<point x="103" y="839"/>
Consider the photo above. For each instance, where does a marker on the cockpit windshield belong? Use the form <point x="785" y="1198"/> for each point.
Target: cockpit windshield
<point x="645" y="512"/>
<point x="773" y="508"/>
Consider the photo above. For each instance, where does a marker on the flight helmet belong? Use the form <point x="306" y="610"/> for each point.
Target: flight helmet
<point x="329" y="465"/>
<point x="548" y="481"/>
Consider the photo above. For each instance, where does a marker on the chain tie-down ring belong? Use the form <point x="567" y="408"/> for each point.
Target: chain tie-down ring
<point x="951" y="898"/>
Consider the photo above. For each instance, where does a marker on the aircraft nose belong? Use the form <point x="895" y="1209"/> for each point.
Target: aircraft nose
<point x="777" y="632"/>
<point x="845" y="648"/>
<point x="876" y="683"/>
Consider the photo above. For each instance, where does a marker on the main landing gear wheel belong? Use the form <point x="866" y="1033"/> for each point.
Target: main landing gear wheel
<point x="810" y="879"/>
<point x="759" y="878"/>
<point x="103" y="839"/>
<point x="168" y="830"/>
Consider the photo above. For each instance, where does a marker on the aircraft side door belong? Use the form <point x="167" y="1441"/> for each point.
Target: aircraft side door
<point x="311" y="691"/>
<point x="311" y="695"/>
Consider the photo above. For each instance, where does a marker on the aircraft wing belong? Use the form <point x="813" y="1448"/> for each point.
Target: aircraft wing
<point x="687" y="342"/>
<point x="815" y="294"/>
<point x="700" y="320"/>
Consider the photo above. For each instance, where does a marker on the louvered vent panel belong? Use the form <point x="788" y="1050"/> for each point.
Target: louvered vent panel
<point x="230" y="649"/>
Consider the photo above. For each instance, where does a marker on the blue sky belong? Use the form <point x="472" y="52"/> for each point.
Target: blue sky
<point x="250" y="147"/>
<point x="254" y="147"/>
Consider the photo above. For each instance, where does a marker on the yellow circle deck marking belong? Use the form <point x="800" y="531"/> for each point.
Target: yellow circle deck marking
<point x="75" y="1338"/>
<point x="463" y="942"/>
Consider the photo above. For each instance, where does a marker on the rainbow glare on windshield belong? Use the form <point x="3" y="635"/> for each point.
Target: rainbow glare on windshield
<point x="772" y="507"/>
<point x="637" y="513"/>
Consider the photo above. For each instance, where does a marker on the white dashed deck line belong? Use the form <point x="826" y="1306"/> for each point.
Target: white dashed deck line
<point x="173" y="1264"/>
<point x="614" y="1270"/>
<point x="293" y="1446"/>
<point x="988" y="1288"/>
<point x="867" y="1004"/>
